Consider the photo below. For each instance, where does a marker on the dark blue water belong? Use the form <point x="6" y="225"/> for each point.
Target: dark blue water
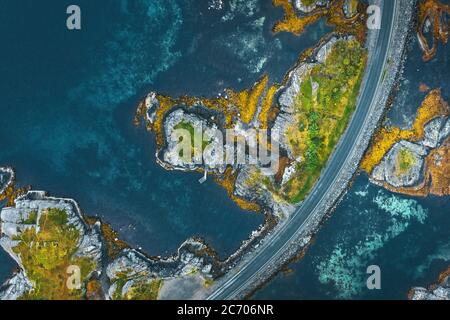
<point x="407" y="237"/>
<point x="68" y="100"/>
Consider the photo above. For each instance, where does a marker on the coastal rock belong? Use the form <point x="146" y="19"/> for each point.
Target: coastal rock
<point x="15" y="287"/>
<point x="27" y="215"/>
<point x="6" y="178"/>
<point x="300" y="5"/>
<point x="390" y="171"/>
<point x="132" y="269"/>
<point x="258" y="193"/>
<point x="405" y="165"/>
<point x="204" y="142"/>
<point x="440" y="291"/>
<point x="432" y="133"/>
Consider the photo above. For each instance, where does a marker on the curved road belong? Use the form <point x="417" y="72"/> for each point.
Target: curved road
<point x="273" y="248"/>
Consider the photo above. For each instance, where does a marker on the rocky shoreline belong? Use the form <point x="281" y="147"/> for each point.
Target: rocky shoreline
<point x="7" y="177"/>
<point x="417" y="163"/>
<point x="122" y="276"/>
<point x="403" y="24"/>
<point x="196" y="118"/>
<point x="439" y="291"/>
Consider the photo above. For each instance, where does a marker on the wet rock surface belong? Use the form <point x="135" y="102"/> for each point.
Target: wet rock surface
<point x="439" y="291"/>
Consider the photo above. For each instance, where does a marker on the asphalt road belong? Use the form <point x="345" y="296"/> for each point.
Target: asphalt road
<point x="273" y="248"/>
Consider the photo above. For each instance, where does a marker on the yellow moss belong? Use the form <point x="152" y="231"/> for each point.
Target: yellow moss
<point x="11" y="194"/>
<point x="228" y="182"/>
<point x="267" y="103"/>
<point x="46" y="255"/>
<point x="433" y="106"/>
<point x="293" y="23"/>
<point x="248" y="109"/>
<point x="334" y="15"/>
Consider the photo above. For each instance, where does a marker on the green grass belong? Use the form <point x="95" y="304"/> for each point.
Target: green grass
<point x="142" y="289"/>
<point x="32" y="218"/>
<point x="193" y="134"/>
<point x="47" y="254"/>
<point x="406" y="160"/>
<point x="308" y="2"/>
<point x="322" y="119"/>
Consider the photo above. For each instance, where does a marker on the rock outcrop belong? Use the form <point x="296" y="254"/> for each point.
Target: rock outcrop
<point x="419" y="167"/>
<point x="6" y="178"/>
<point x="48" y="237"/>
<point x="440" y="291"/>
<point x="26" y="216"/>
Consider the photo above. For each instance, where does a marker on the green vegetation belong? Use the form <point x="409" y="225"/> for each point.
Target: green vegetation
<point x="324" y="106"/>
<point x="142" y="288"/>
<point x="47" y="254"/>
<point x="32" y="218"/>
<point x="308" y="3"/>
<point x="405" y="160"/>
<point x="193" y="134"/>
<point x="145" y="290"/>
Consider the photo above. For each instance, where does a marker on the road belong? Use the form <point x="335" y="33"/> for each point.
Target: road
<point x="273" y="248"/>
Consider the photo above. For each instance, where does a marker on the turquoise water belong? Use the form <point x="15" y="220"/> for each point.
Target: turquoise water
<point x="407" y="237"/>
<point x="68" y="100"/>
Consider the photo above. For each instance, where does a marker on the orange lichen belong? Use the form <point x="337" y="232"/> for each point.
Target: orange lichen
<point x="11" y="194"/>
<point x="438" y="170"/>
<point x="94" y="290"/>
<point x="247" y="101"/>
<point x="263" y="117"/>
<point x="334" y="15"/>
<point x="444" y="275"/>
<point x="434" y="12"/>
<point x="228" y="182"/>
<point x="436" y="175"/>
<point x="113" y="244"/>
<point x="234" y="105"/>
<point x="292" y="22"/>
<point x="424" y="88"/>
<point x="433" y="106"/>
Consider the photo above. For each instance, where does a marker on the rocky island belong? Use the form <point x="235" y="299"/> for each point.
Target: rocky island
<point x="433" y="26"/>
<point x="64" y="255"/>
<point x="414" y="161"/>
<point x="304" y="116"/>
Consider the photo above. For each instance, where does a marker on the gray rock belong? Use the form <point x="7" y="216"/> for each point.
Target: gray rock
<point x="7" y="177"/>
<point x="387" y="170"/>
<point x="436" y="292"/>
<point x="432" y="133"/>
<point x="12" y="224"/>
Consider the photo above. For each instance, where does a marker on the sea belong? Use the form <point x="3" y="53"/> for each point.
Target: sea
<point x="68" y="99"/>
